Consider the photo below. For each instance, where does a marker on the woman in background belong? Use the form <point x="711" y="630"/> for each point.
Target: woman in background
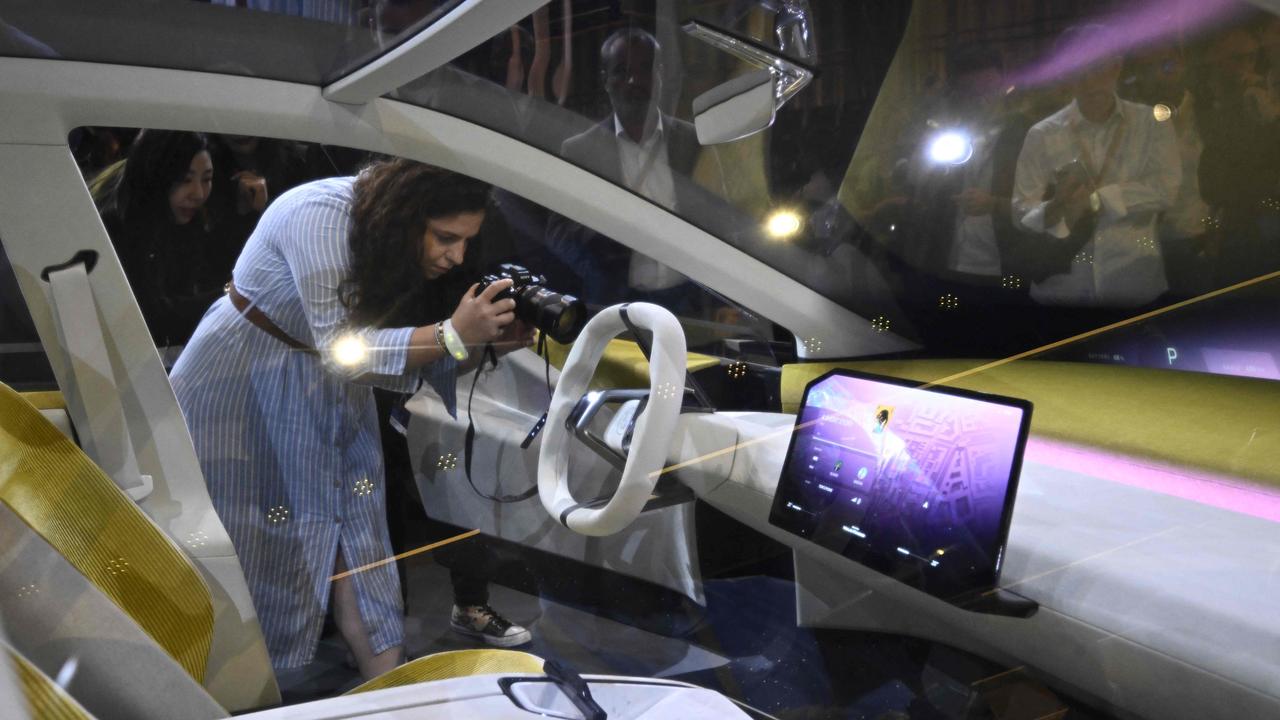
<point x="153" y="205"/>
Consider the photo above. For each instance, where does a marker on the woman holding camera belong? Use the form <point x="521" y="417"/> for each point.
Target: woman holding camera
<point x="326" y="301"/>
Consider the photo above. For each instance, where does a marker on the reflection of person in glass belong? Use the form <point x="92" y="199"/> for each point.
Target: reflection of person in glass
<point x="1160" y="78"/>
<point x="1240" y="167"/>
<point x="642" y="148"/>
<point x="1101" y="170"/>
<point x="275" y="386"/>
<point x="957" y="216"/>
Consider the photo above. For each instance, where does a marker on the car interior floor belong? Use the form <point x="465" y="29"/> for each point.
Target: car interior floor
<point x="745" y="644"/>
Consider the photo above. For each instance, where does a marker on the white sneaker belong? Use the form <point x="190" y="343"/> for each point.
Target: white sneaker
<point x="484" y="623"/>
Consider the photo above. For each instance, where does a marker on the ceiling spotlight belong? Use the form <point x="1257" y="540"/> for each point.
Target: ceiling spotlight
<point x="782" y="224"/>
<point x="950" y="147"/>
<point x="349" y="351"/>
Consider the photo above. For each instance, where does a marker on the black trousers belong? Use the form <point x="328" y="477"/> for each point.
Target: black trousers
<point x="469" y="562"/>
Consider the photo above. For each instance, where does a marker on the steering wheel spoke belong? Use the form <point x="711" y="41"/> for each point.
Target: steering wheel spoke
<point x="580" y="419"/>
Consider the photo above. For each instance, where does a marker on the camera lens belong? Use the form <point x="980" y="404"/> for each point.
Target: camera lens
<point x="560" y="316"/>
<point x="570" y="322"/>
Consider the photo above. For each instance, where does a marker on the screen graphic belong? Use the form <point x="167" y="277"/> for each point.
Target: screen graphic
<point x="915" y="483"/>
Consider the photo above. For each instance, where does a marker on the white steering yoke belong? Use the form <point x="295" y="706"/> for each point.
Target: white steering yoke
<point x="652" y="436"/>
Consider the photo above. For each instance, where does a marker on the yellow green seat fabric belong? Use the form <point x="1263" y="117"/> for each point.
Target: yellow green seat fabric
<point x="454" y="664"/>
<point x="45" y="700"/>
<point x="68" y="501"/>
<point x="46" y="399"/>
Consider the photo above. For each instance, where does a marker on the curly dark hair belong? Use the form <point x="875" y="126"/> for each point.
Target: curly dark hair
<point x="394" y="199"/>
<point x="157" y="161"/>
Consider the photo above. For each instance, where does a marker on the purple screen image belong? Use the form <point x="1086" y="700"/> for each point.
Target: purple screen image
<point x="902" y="478"/>
<point x="1242" y="363"/>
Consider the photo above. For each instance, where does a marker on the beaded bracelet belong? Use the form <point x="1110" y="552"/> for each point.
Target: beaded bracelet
<point x="452" y="342"/>
<point x="440" y="337"/>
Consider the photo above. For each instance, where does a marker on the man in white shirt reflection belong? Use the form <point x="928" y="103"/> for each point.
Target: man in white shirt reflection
<point x="1101" y="169"/>
<point x="633" y="78"/>
<point x="643" y="149"/>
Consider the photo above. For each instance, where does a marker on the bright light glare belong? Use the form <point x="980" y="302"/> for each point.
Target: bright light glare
<point x="349" y="351"/>
<point x="1161" y="112"/>
<point x="783" y="224"/>
<point x="951" y="147"/>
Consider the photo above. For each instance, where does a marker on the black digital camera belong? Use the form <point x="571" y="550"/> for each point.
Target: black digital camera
<point x="561" y="317"/>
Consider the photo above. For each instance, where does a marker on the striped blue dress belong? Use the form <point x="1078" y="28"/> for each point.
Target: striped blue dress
<point x="288" y="440"/>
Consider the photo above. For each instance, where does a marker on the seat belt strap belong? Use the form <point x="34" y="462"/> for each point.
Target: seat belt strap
<point x="94" y="401"/>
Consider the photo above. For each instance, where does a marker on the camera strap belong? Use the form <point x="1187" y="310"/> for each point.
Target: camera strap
<point x="545" y="354"/>
<point x="491" y="357"/>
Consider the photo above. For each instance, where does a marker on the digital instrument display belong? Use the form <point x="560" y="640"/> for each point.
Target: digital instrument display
<point x="1233" y="334"/>
<point x="914" y="483"/>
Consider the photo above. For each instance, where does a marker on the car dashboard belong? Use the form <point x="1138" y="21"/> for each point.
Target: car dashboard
<point x="1093" y="529"/>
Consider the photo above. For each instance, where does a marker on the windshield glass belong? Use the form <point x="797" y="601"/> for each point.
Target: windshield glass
<point x="314" y="42"/>
<point x="1061" y="502"/>
<point x="612" y="89"/>
<point x="944" y="165"/>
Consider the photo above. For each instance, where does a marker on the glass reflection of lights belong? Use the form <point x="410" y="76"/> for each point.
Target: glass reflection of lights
<point x="349" y="351"/>
<point x="1161" y="112"/>
<point x="950" y="147"/>
<point x="782" y="224"/>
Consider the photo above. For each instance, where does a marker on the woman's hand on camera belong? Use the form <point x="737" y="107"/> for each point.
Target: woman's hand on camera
<point x="514" y="336"/>
<point x="480" y="319"/>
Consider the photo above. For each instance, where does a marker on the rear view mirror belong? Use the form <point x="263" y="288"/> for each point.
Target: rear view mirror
<point x="735" y="109"/>
<point x="747" y="104"/>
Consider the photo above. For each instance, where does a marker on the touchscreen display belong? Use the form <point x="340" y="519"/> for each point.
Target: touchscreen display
<point x="915" y="483"/>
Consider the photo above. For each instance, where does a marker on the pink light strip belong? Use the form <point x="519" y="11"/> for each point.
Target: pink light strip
<point x="1138" y="26"/>
<point x="1201" y="487"/>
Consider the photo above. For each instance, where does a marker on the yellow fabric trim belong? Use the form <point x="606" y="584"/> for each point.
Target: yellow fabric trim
<point x="46" y="400"/>
<point x="453" y="664"/>
<point x="67" y="500"/>
<point x="1223" y="424"/>
<point x="45" y="700"/>
<point x="623" y="365"/>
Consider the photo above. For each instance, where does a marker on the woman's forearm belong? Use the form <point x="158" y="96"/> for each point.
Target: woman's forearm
<point x="423" y="348"/>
